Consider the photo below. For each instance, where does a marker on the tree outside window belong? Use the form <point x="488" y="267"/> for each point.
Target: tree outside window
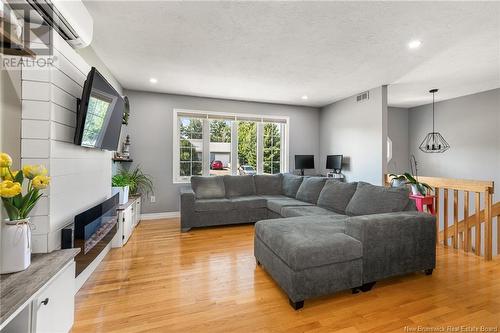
<point x="191" y="146"/>
<point x="272" y="148"/>
<point x="247" y="143"/>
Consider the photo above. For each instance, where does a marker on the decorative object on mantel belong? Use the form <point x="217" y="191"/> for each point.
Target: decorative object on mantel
<point x="126" y="148"/>
<point x="16" y="233"/>
<point x="434" y="141"/>
<point x="120" y="185"/>
<point x="138" y="181"/>
<point x="417" y="188"/>
<point x="119" y="158"/>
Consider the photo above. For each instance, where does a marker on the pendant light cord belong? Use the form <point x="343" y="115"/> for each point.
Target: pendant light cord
<point x="433" y="131"/>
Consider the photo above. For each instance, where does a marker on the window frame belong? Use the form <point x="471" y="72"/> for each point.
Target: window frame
<point x="206" y="116"/>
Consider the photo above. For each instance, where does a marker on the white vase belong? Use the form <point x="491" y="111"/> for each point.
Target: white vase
<point x="16" y="246"/>
<point x="123" y="193"/>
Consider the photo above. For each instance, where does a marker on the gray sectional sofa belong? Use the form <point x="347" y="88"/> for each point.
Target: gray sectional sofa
<point x="316" y="236"/>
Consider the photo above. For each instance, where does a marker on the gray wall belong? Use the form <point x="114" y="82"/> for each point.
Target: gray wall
<point x="397" y="128"/>
<point x="150" y="128"/>
<point x="358" y="130"/>
<point x="471" y="126"/>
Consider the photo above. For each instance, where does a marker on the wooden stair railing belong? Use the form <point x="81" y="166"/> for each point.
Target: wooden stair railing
<point x="470" y="222"/>
<point x="457" y="230"/>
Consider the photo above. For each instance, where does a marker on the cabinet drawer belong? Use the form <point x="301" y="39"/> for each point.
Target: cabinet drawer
<point x="53" y="308"/>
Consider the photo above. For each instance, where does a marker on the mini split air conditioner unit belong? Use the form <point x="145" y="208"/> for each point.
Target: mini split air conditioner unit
<point x="69" y="18"/>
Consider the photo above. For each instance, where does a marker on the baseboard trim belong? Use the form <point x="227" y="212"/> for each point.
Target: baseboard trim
<point x="157" y="216"/>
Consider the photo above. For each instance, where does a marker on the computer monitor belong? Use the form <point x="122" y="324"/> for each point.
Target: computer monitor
<point x="304" y="162"/>
<point x="334" y="162"/>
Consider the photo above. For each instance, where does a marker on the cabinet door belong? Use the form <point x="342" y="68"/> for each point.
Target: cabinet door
<point x="120" y="235"/>
<point x="138" y="211"/>
<point x="127" y="224"/>
<point x="53" y="309"/>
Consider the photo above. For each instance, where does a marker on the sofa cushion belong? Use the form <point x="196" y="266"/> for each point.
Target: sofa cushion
<point x="239" y="186"/>
<point x="306" y="211"/>
<point x="211" y="187"/>
<point x="336" y="195"/>
<point x="310" y="189"/>
<point x="290" y="184"/>
<point x="275" y="197"/>
<point x="371" y="199"/>
<point x="306" y="242"/>
<point x="268" y="184"/>
<point x="213" y="205"/>
<point x="277" y="204"/>
<point x="250" y="202"/>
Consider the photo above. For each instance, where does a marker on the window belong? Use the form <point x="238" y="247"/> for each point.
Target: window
<point x="272" y="148"/>
<point x="220" y="147"/>
<point x="212" y="143"/>
<point x="247" y="147"/>
<point x="190" y="146"/>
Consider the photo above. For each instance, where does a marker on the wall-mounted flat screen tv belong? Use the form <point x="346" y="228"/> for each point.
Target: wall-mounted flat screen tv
<point x="99" y="114"/>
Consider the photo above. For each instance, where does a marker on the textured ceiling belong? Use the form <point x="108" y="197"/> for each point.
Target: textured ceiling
<point x="279" y="51"/>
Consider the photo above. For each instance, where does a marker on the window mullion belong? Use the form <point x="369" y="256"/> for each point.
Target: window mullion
<point x="206" y="148"/>
<point x="260" y="147"/>
<point x="283" y="147"/>
<point x="234" y="147"/>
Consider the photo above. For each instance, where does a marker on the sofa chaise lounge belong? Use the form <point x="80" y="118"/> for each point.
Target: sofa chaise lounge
<point x="316" y="236"/>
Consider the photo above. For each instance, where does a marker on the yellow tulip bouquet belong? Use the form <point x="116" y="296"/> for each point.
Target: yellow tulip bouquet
<point x="17" y="205"/>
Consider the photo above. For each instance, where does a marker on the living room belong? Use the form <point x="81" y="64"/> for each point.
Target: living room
<point x="249" y="166"/>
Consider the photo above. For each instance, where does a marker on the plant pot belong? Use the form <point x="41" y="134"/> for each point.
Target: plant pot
<point x="123" y="193"/>
<point x="414" y="190"/>
<point x="16" y="246"/>
<point x="398" y="183"/>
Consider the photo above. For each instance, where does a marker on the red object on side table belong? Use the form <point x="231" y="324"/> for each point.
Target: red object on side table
<point x="422" y="201"/>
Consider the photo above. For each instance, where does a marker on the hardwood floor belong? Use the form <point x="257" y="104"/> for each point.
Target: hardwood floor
<point x="207" y="281"/>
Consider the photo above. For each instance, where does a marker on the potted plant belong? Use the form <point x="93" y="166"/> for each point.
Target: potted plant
<point x="16" y="232"/>
<point x="407" y="179"/>
<point x="139" y="182"/>
<point x="120" y="185"/>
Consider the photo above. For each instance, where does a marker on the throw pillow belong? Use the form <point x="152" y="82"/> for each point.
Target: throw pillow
<point x="291" y="184"/>
<point x="310" y="189"/>
<point x="371" y="199"/>
<point x="208" y="187"/>
<point x="268" y="184"/>
<point x="237" y="186"/>
<point x="336" y="195"/>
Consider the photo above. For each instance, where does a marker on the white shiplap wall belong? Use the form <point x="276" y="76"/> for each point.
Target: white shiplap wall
<point x="81" y="177"/>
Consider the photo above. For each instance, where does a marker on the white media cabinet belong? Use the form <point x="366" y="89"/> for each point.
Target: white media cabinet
<point x="129" y="215"/>
<point x="40" y="299"/>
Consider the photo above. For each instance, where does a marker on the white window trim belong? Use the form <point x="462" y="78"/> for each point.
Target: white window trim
<point x="234" y="139"/>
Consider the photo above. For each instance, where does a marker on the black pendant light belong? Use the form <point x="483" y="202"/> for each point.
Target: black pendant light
<point x="434" y="141"/>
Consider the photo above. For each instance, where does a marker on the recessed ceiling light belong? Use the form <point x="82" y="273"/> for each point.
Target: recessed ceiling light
<point x="414" y="44"/>
<point x="304" y="97"/>
<point x="153" y="80"/>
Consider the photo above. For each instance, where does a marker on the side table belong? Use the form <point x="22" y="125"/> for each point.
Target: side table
<point x="422" y="201"/>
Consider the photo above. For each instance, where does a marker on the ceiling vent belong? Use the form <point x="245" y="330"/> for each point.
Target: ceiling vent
<point x="363" y="96"/>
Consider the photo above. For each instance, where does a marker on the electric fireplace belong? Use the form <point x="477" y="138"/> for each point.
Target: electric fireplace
<point x="93" y="229"/>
